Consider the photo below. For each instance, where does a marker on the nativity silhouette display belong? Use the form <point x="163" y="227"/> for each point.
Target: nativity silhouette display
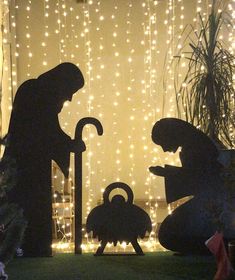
<point x="35" y="138"/>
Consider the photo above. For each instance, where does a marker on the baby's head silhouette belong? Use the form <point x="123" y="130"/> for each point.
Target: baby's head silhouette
<point x="62" y="82"/>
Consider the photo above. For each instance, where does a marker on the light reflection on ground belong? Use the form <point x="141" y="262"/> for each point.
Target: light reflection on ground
<point x="91" y="247"/>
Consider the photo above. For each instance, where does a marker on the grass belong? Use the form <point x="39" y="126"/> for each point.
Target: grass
<point x="159" y="265"/>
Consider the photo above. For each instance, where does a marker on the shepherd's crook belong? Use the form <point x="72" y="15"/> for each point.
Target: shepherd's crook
<point x="78" y="180"/>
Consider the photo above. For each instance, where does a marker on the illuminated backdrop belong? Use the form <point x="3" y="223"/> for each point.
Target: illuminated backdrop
<point x="125" y="49"/>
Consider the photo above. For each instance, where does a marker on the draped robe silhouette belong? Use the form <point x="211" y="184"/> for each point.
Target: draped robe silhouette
<point x="192" y="223"/>
<point x="34" y="139"/>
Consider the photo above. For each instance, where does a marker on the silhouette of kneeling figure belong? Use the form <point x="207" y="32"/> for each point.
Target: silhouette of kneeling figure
<point x="192" y="223"/>
<point x="35" y="138"/>
<point x="118" y="220"/>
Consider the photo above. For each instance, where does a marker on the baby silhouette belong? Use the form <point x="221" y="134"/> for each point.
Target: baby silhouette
<point x="34" y="139"/>
<point x="192" y="223"/>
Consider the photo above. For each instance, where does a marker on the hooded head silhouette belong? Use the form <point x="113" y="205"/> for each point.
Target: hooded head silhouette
<point x="61" y="82"/>
<point x="167" y="133"/>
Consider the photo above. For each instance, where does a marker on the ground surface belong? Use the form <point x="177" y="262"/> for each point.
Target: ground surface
<point x="157" y="266"/>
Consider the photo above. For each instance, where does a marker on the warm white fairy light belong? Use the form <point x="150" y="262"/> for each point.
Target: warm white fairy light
<point x="62" y="209"/>
<point x="45" y="32"/>
<point x="199" y="6"/>
<point x="129" y="89"/>
<point x="89" y="77"/>
<point x="7" y="64"/>
<point x="149" y="93"/>
<point x="28" y="36"/>
<point x="231" y="43"/>
<point x="115" y="85"/>
<point x="231" y="35"/>
<point x="12" y="30"/>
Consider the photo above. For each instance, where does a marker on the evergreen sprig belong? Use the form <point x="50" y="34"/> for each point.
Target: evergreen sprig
<point x="12" y="221"/>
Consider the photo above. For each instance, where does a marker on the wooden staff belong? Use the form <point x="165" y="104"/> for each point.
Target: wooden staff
<point x="78" y="180"/>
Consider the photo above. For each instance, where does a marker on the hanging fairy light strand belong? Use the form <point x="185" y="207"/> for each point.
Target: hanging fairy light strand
<point x="28" y="36"/>
<point x="129" y="89"/>
<point x="100" y="67"/>
<point x="7" y="75"/>
<point x="14" y="47"/>
<point x="87" y="23"/>
<point x="147" y="93"/>
<point x="116" y="87"/>
<point x="46" y="31"/>
<point x="231" y="48"/>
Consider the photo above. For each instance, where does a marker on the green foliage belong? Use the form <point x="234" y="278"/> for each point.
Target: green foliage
<point x="12" y="222"/>
<point x="206" y="95"/>
<point x="152" y="266"/>
<point x="229" y="181"/>
<point x="13" y="236"/>
<point x="7" y="175"/>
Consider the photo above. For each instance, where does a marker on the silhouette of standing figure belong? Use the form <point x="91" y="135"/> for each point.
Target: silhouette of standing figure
<point x="191" y="224"/>
<point x="35" y="138"/>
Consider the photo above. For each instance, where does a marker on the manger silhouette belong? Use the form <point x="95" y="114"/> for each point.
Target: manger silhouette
<point x="118" y="220"/>
<point x="191" y="224"/>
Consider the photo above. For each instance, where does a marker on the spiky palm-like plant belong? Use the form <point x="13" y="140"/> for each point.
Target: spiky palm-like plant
<point x="206" y="95"/>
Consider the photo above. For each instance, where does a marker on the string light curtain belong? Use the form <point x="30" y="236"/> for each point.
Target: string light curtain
<point x="125" y="49"/>
<point x="8" y="75"/>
